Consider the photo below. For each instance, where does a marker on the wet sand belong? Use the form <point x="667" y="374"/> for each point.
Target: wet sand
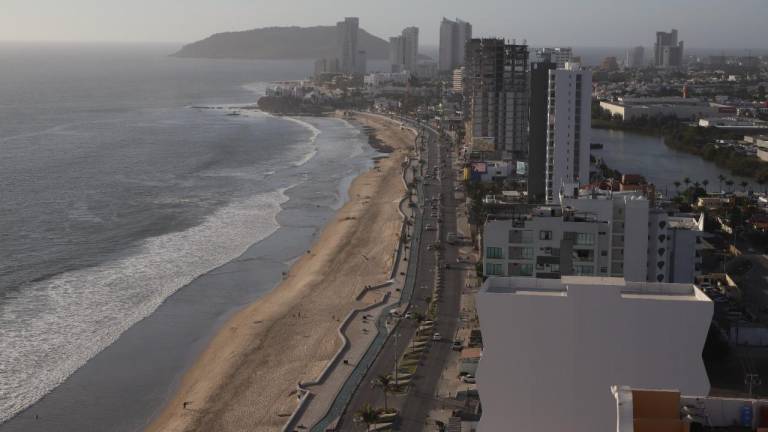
<point x="246" y="378"/>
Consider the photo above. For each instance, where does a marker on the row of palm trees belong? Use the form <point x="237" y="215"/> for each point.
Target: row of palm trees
<point x="704" y="183"/>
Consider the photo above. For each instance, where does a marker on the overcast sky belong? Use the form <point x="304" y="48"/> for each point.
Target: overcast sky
<point x="702" y="23"/>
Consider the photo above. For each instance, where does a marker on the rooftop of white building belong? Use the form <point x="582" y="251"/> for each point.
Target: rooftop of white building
<point x="559" y="287"/>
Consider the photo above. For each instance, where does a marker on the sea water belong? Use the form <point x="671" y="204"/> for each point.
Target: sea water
<point x="136" y="216"/>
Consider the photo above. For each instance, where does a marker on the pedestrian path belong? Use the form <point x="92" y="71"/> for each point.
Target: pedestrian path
<point x="361" y="331"/>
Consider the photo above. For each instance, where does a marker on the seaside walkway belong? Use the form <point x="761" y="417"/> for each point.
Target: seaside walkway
<point x="363" y="328"/>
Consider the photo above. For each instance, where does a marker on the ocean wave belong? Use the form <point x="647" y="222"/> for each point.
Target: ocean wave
<point x="79" y="313"/>
<point x="315" y="133"/>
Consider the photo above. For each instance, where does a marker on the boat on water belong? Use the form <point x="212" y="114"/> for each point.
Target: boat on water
<point x="233" y="113"/>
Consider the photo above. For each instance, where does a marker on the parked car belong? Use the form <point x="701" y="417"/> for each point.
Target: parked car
<point x="437" y="337"/>
<point x="457" y="345"/>
<point x="468" y="379"/>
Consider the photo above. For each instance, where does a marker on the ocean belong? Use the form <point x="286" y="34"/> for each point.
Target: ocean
<point x="133" y="223"/>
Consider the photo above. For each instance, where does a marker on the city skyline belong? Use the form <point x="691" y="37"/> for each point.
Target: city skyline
<point x="50" y="21"/>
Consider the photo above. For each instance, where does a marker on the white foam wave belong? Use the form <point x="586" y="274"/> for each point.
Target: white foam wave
<point x="79" y="313"/>
<point x="315" y="133"/>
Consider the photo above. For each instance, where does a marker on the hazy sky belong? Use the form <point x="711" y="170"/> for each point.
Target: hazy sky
<point x="702" y="23"/>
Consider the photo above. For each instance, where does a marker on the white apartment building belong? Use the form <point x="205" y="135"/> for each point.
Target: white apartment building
<point x="608" y="234"/>
<point x="553" y="348"/>
<point x="568" y="129"/>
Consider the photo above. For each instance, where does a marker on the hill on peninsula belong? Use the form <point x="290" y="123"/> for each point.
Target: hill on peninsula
<point x="280" y="43"/>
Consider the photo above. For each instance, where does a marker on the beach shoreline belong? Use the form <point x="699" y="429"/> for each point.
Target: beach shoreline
<point x="246" y="377"/>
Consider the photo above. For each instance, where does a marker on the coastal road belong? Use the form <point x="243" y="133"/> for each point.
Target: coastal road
<point x="421" y="398"/>
<point x="415" y="405"/>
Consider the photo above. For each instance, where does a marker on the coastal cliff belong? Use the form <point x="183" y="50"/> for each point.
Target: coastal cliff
<point x="280" y="43"/>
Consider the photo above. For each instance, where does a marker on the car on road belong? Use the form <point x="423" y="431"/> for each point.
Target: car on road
<point x="408" y="315"/>
<point x="468" y="379"/>
<point x="437" y="337"/>
<point x="457" y="345"/>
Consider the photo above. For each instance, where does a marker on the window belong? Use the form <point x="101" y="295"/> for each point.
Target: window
<point x="583" y="270"/>
<point x="545" y="235"/>
<point x="585" y="239"/>
<point x="494" y="252"/>
<point x="583" y="255"/>
<point x="493" y="270"/>
<point x="604" y="253"/>
<point x="521" y="236"/>
<point x="520" y="253"/>
<point x="603" y="269"/>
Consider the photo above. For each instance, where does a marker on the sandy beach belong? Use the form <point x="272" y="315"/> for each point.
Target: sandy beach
<point x="246" y="378"/>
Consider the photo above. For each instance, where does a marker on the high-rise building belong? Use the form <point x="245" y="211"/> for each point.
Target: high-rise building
<point x="568" y="130"/>
<point x="346" y="44"/>
<point x="410" y="37"/>
<point x="635" y="57"/>
<point x="668" y="52"/>
<point x="361" y="62"/>
<point x="396" y="53"/>
<point x="404" y="50"/>
<point x="496" y="91"/>
<point x="558" y="55"/>
<point x="453" y="36"/>
<point x="552" y="349"/>
<point x="537" y="148"/>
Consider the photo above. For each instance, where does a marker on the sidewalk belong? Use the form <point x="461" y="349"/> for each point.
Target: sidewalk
<point x="358" y="331"/>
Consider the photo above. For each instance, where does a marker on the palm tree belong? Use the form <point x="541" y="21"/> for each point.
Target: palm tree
<point x="705" y="182"/>
<point x="687" y="181"/>
<point x="383" y="382"/>
<point x="744" y="185"/>
<point x="368" y="415"/>
<point x="729" y="183"/>
<point x="677" y="187"/>
<point x="722" y="179"/>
